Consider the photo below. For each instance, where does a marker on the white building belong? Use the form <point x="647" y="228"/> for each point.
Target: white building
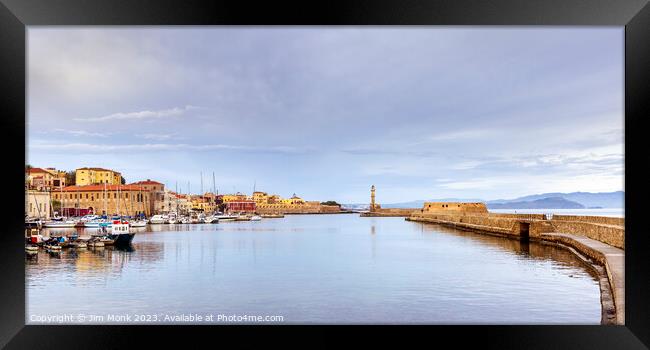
<point x="37" y="204"/>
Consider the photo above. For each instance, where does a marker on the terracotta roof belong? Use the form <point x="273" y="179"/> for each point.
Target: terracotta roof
<point x="98" y="169"/>
<point x="147" y="182"/>
<point x="36" y="170"/>
<point x="101" y="188"/>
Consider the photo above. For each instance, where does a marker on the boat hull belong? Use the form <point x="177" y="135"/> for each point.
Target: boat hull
<point x="122" y="239"/>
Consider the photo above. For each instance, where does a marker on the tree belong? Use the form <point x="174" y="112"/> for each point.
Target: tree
<point x="122" y="180"/>
<point x="70" y="177"/>
<point x="56" y="206"/>
<point x="330" y="203"/>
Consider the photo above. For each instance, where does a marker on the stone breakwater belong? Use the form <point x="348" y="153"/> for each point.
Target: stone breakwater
<point x="600" y="239"/>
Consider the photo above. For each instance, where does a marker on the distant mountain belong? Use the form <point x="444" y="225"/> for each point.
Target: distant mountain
<point x="585" y="199"/>
<point x="544" y="203"/>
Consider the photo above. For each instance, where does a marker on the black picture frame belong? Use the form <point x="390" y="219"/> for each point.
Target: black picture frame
<point x="15" y="15"/>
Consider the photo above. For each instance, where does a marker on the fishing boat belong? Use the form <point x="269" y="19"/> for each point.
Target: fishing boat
<point x="33" y="236"/>
<point x="120" y="233"/>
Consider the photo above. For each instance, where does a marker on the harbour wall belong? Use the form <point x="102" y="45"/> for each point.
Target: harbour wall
<point x="308" y="208"/>
<point x="400" y="212"/>
<point x="601" y="239"/>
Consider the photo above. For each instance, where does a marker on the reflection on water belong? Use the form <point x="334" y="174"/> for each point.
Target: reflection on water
<point x="320" y="269"/>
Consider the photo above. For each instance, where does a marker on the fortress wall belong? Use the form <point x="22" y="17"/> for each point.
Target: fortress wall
<point x="591" y="219"/>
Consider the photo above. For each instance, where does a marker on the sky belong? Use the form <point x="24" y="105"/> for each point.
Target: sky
<point x="326" y="112"/>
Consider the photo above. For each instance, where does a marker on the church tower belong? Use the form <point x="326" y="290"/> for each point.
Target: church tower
<point x="372" y="198"/>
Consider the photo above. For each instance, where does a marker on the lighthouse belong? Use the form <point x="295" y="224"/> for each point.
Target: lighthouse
<point x="372" y="198"/>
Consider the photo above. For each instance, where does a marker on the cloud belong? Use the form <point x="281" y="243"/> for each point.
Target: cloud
<point x="159" y="137"/>
<point x="81" y="133"/>
<point x="141" y="115"/>
<point x="152" y="147"/>
<point x="464" y="135"/>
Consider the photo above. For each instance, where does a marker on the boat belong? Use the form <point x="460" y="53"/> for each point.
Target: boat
<point x="33" y="236"/>
<point x="159" y="219"/>
<point x="243" y="218"/>
<point x="53" y="247"/>
<point x="138" y="223"/>
<point x="256" y="218"/>
<point x="31" y="249"/>
<point x="60" y="223"/>
<point x="106" y="240"/>
<point x="226" y="217"/>
<point x="120" y="233"/>
<point x="78" y="244"/>
<point x="96" y="243"/>
<point x="33" y="223"/>
<point x="211" y="219"/>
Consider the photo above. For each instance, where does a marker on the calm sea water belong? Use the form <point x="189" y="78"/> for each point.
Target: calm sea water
<point x="322" y="269"/>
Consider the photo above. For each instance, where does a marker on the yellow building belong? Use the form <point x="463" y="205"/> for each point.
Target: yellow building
<point x="234" y="197"/>
<point x="294" y="200"/>
<point x="203" y="204"/>
<point x="93" y="176"/>
<point x="105" y="199"/>
<point x="260" y="197"/>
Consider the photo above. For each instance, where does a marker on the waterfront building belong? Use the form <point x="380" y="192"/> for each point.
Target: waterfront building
<point x="246" y="205"/>
<point x="260" y="197"/>
<point x="234" y="197"/>
<point x="38" y="204"/>
<point x="44" y="179"/>
<point x="158" y="203"/>
<point x="293" y="200"/>
<point x="93" y="176"/>
<point x="106" y="199"/>
<point x="203" y="204"/>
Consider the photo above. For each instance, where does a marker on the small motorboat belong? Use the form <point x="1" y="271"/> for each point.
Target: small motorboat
<point x="159" y="219"/>
<point x="139" y="223"/>
<point x="96" y="244"/>
<point x="60" y="223"/>
<point x="255" y="218"/>
<point x="78" y="244"/>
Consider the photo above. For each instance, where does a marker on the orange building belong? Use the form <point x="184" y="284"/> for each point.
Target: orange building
<point x="105" y="199"/>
